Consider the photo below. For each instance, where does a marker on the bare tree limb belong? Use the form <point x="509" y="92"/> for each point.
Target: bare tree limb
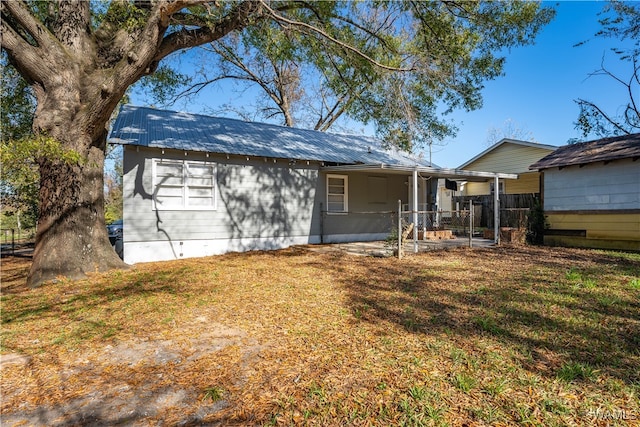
<point x="333" y="114"/>
<point x="629" y="85"/>
<point x="630" y="118"/>
<point x="604" y="115"/>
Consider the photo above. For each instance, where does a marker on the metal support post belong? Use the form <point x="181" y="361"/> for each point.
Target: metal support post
<point x="399" y="229"/>
<point x="496" y="209"/>
<point x="470" y="223"/>
<point x="415" y="211"/>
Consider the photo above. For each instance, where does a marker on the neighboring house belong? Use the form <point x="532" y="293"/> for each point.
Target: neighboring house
<point x="591" y="193"/>
<point x="507" y="156"/>
<point x="196" y="185"/>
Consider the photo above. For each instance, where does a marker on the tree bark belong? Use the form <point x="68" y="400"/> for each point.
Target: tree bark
<point x="71" y="238"/>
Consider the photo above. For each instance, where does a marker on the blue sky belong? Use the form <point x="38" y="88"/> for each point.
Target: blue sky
<point x="541" y="83"/>
<point x="536" y="94"/>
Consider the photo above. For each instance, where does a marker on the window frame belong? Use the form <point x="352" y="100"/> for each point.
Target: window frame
<point x="345" y="194"/>
<point x="501" y="187"/>
<point x="185" y="185"/>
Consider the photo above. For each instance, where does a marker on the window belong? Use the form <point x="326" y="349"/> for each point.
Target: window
<point x="500" y="187"/>
<point x="181" y="184"/>
<point x="337" y="193"/>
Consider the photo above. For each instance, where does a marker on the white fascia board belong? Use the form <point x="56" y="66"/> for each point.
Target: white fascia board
<point x="436" y="172"/>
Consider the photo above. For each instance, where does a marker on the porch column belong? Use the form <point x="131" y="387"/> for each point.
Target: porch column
<point x="496" y="210"/>
<point x="415" y="210"/>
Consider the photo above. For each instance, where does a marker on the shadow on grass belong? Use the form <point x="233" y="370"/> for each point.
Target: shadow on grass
<point x="83" y="298"/>
<point x="519" y="297"/>
<point x="73" y="304"/>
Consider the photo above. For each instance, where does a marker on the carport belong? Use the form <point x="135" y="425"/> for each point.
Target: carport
<point x="417" y="172"/>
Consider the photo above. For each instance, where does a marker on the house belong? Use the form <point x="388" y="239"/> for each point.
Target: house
<point x="196" y="185"/>
<point x="507" y="156"/>
<point x="591" y="193"/>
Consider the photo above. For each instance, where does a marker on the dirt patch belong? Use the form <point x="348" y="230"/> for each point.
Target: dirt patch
<point x="159" y="362"/>
<point x="13" y="359"/>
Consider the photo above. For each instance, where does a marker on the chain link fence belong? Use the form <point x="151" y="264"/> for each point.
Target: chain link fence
<point x="433" y="229"/>
<point x="436" y="224"/>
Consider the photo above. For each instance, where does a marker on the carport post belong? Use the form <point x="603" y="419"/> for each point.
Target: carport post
<point x="400" y="242"/>
<point x="415" y="211"/>
<point x="470" y="223"/>
<point x="496" y="210"/>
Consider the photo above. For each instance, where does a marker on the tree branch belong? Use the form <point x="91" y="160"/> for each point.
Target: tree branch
<point x="634" y="76"/>
<point x="72" y="26"/>
<point x="277" y="95"/>
<point x="333" y="114"/>
<point x="598" y="111"/>
<point x="19" y="11"/>
<point x="238" y="18"/>
<point x="23" y="55"/>
<point x="374" y="34"/>
<point x="318" y="31"/>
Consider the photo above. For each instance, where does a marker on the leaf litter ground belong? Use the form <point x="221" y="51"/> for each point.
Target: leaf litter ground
<point x="500" y="336"/>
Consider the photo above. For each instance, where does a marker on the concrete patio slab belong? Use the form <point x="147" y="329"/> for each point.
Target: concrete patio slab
<point x="382" y="249"/>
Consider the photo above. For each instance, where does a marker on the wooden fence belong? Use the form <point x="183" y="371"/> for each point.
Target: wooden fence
<point x="512" y="207"/>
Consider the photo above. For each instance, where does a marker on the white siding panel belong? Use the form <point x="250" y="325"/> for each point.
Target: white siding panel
<point x="593" y="187"/>
<point x="137" y="252"/>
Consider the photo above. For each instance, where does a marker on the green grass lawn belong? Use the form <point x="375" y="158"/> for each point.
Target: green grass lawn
<point x="506" y="336"/>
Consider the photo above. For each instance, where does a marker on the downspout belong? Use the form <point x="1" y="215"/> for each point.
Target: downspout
<point x="415" y="210"/>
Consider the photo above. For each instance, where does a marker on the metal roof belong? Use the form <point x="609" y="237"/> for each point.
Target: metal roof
<point x="148" y="127"/>
<point x="599" y="150"/>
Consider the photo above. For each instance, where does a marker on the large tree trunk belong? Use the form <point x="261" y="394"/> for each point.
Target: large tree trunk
<point x="78" y="75"/>
<point x="71" y="238"/>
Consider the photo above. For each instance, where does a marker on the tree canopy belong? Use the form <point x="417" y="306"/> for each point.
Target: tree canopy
<point x="397" y="62"/>
<point x="18" y="183"/>
<point x="397" y="65"/>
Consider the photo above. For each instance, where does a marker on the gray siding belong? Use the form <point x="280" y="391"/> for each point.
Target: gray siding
<point x="261" y="204"/>
<point x="255" y="199"/>
<point x="614" y="186"/>
<point x="368" y="193"/>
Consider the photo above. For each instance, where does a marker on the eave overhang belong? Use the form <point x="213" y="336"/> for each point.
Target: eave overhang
<point x="453" y="174"/>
